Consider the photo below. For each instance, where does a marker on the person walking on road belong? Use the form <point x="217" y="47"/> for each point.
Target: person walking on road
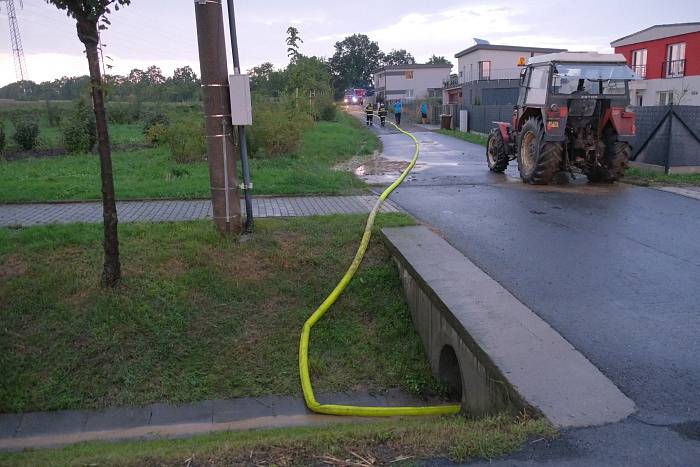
<point x="424" y="113"/>
<point x="369" y="112"/>
<point x="382" y="114"/>
<point x="398" y="108"/>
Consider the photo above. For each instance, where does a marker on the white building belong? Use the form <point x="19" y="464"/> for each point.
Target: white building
<point x="483" y="62"/>
<point x="489" y="73"/>
<point x="415" y="81"/>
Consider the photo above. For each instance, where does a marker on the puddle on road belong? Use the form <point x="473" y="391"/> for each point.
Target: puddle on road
<point x="579" y="186"/>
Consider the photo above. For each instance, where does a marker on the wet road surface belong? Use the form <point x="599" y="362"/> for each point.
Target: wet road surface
<point x="614" y="269"/>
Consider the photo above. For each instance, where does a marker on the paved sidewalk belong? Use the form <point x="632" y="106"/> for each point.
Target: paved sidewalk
<point x="23" y="215"/>
<point x="52" y="429"/>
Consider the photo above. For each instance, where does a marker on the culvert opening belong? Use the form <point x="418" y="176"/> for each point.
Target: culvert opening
<point x="449" y="373"/>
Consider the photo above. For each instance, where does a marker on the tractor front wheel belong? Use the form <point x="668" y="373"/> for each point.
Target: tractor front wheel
<point x="496" y="155"/>
<point x="538" y="160"/>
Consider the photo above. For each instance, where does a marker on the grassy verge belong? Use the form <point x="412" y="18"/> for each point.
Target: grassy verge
<point x="471" y="137"/>
<point x="403" y="442"/>
<point x="648" y="177"/>
<point x="310" y="170"/>
<point x="198" y="317"/>
<point x="151" y="172"/>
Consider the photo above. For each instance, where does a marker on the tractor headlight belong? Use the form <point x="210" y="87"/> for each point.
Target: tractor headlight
<point x="354" y="100"/>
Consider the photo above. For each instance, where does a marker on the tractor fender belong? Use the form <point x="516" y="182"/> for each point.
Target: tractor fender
<point x="622" y="121"/>
<point x="504" y="128"/>
<point x="555" y="124"/>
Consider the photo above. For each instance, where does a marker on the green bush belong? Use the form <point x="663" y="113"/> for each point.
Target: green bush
<point x="154" y="119"/>
<point x="53" y="114"/>
<point x="124" y="112"/>
<point x="187" y="142"/>
<point x="3" y="139"/>
<point x="26" y="133"/>
<point x="324" y="108"/>
<point x="156" y="134"/>
<point x="80" y="132"/>
<point x="277" y="129"/>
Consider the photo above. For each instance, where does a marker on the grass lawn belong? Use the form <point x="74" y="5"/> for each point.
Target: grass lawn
<point x="455" y="438"/>
<point x="198" y="317"/>
<point x="151" y="173"/>
<point x="471" y="137"/>
<point x="648" y="177"/>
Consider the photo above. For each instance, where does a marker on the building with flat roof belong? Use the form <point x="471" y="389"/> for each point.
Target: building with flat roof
<point x="489" y="73"/>
<point x="414" y="81"/>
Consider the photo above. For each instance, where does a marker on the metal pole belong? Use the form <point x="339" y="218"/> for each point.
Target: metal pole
<point x="217" y="116"/>
<point x="247" y="186"/>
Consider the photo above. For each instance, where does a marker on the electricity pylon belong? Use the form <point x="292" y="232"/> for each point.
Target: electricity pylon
<point x="16" y="40"/>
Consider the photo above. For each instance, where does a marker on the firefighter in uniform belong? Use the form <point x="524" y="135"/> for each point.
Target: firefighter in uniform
<point x="382" y="113"/>
<point x="369" y="112"/>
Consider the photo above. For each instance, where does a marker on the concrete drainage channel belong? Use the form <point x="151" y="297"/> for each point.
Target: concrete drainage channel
<point x="491" y="351"/>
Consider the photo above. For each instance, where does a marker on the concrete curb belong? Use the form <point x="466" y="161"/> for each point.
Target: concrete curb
<point x="509" y="358"/>
<point x="52" y="429"/>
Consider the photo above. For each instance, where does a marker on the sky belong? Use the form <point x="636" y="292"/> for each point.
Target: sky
<point x="162" y="32"/>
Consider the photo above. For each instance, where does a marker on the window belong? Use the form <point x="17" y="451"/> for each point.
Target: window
<point x="409" y="93"/>
<point x="674" y="66"/>
<point x="639" y="62"/>
<point x="408" y="74"/>
<point x="537" y="86"/>
<point x="666" y="98"/>
<point x="484" y="70"/>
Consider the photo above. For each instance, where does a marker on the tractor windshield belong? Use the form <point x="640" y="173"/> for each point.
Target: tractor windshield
<point x="591" y="78"/>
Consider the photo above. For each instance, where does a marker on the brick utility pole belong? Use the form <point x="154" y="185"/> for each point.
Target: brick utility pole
<point x="217" y="114"/>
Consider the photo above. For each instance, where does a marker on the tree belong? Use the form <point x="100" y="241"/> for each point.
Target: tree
<point x="293" y="41"/>
<point x="398" y="57"/>
<point x="355" y="59"/>
<point x="184" y="84"/>
<point x="308" y="74"/>
<point x="435" y="60"/>
<point x="91" y="17"/>
<point x="264" y="79"/>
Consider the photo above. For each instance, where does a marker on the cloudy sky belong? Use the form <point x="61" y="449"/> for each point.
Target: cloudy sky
<point x="162" y="32"/>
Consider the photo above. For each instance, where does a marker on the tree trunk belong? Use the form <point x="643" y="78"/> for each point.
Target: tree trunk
<point x="111" y="271"/>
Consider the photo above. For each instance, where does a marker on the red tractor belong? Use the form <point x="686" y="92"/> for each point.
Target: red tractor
<point x="570" y="114"/>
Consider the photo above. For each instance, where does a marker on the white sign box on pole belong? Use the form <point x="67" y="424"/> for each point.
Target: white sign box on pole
<point x="241" y="108"/>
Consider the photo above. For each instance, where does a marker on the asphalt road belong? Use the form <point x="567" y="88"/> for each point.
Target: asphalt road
<point x="614" y="269"/>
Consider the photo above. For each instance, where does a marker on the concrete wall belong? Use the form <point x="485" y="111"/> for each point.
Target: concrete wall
<point x="394" y="85"/>
<point x="482" y="391"/>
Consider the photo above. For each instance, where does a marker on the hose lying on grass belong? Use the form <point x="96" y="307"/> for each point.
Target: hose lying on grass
<point x="332" y="409"/>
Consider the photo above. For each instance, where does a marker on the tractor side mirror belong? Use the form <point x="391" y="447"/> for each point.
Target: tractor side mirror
<point x="556" y="81"/>
<point x="523" y="72"/>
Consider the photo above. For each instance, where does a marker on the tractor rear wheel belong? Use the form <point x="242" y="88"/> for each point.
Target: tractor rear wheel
<point x="496" y="155"/>
<point x="614" y="161"/>
<point x="538" y="160"/>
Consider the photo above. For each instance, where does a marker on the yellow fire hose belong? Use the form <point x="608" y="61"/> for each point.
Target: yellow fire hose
<point x="332" y="409"/>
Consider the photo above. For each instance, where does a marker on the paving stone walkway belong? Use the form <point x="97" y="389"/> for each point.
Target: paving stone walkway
<point x="52" y="429"/>
<point x="23" y="215"/>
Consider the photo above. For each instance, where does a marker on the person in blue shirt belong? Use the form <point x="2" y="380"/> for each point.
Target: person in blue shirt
<point x="424" y="112"/>
<point x="397" y="112"/>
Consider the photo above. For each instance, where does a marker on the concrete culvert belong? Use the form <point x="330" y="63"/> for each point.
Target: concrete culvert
<point x="449" y="373"/>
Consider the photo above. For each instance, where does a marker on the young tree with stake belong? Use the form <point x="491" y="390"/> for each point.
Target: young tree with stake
<point x="91" y="17"/>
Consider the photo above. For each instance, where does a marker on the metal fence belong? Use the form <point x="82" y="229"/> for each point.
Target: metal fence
<point x="480" y="118"/>
<point x="668" y="137"/>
